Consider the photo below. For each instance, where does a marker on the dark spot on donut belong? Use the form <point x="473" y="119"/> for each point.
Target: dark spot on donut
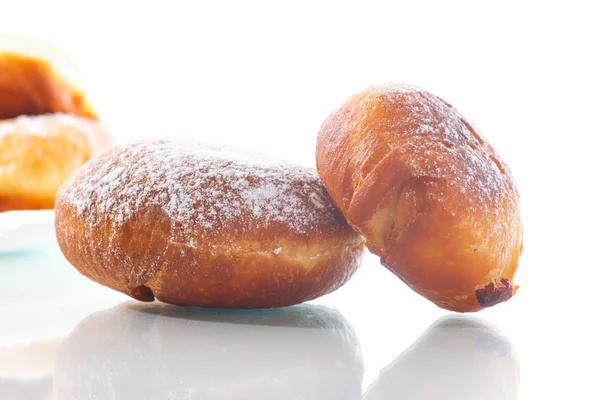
<point x="142" y="293"/>
<point x="492" y="294"/>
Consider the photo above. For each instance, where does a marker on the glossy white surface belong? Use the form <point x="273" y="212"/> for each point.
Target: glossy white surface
<point x="22" y="230"/>
<point x="64" y="336"/>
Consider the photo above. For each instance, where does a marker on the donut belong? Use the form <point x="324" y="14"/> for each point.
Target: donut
<point x="196" y="225"/>
<point x="141" y="351"/>
<point x="431" y="196"/>
<point x="31" y="86"/>
<point x="38" y="153"/>
<point x="47" y="130"/>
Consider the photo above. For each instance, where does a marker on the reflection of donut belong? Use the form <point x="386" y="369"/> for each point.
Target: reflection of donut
<point x="163" y="352"/>
<point x="204" y="226"/>
<point x="456" y="358"/>
<point x="39" y="145"/>
<point x="29" y="360"/>
<point x="26" y="370"/>
<point x="429" y="193"/>
<point x="15" y="389"/>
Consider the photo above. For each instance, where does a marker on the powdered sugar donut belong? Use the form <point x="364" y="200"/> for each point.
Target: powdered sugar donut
<point x="431" y="196"/>
<point x="204" y="226"/>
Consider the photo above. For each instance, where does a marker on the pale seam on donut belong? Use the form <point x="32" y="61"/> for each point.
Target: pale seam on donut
<point x="289" y="251"/>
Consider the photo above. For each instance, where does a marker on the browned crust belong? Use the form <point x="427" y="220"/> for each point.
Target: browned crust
<point x="259" y="266"/>
<point x="30" y="86"/>
<point x="407" y="194"/>
<point x="39" y="153"/>
<point x="34" y="164"/>
<point x="20" y="203"/>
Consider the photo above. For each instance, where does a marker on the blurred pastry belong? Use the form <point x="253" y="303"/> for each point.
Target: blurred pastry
<point x="47" y="128"/>
<point x="38" y="153"/>
<point x="30" y="86"/>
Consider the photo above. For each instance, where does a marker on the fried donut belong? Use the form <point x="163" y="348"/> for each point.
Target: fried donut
<point x="196" y="225"/>
<point x="40" y="145"/>
<point x="38" y="153"/>
<point x="429" y="193"/>
<point x="30" y="86"/>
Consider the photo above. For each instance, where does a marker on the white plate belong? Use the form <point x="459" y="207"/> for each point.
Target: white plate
<point x="25" y="230"/>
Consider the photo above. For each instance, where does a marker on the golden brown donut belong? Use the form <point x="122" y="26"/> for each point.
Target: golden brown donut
<point x="197" y="225"/>
<point x="429" y="193"/>
<point x="40" y="145"/>
<point x="30" y="86"/>
<point x="38" y="153"/>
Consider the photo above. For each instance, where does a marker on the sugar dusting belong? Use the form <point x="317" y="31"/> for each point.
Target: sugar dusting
<point x="440" y="143"/>
<point x="200" y="188"/>
<point x="26" y="125"/>
<point x="45" y="125"/>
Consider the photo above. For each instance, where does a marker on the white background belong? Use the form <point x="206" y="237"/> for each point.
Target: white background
<point x="266" y="74"/>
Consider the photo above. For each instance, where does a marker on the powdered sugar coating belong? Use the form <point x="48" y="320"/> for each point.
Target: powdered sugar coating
<point x="201" y="189"/>
<point x="431" y="196"/>
<point x="38" y="125"/>
<point x="439" y="143"/>
<point x="48" y="125"/>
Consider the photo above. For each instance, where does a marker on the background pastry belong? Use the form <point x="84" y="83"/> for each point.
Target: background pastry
<point x="30" y="86"/>
<point x="47" y="127"/>
<point x="38" y="153"/>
